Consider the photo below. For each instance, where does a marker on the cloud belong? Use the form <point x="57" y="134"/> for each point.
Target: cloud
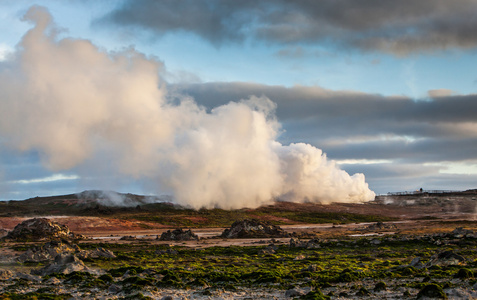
<point x="396" y="27"/>
<point x="54" y="177"/>
<point x="305" y="102"/>
<point x="354" y="125"/>
<point x="441" y="93"/>
<point x="100" y="113"/>
<point x="4" y="51"/>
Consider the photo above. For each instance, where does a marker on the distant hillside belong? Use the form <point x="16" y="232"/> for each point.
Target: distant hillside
<point x="160" y="210"/>
<point x="84" y="203"/>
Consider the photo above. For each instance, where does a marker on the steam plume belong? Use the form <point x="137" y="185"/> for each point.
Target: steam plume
<point x="78" y="105"/>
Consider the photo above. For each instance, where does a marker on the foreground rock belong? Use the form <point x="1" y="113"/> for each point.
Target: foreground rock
<point x="178" y="235"/>
<point x="63" y="264"/>
<point x="460" y="232"/>
<point x="446" y="258"/>
<point x="96" y="253"/>
<point x="310" y="244"/>
<point x="251" y="228"/>
<point x="378" y="226"/>
<point x="39" y="229"/>
<point x="6" y="274"/>
<point x="50" y="250"/>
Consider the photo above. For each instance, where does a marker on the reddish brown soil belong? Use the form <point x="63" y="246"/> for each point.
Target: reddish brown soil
<point x="88" y="225"/>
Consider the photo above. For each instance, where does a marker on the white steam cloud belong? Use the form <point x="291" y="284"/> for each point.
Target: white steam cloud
<point x="81" y="106"/>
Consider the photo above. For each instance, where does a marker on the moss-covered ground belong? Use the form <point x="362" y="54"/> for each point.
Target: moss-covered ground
<point x="360" y="267"/>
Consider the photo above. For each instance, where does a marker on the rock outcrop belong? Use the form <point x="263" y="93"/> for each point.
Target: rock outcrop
<point x="39" y="229"/>
<point x="95" y="253"/>
<point x="48" y="251"/>
<point x="446" y="258"/>
<point x="178" y="235"/>
<point x="251" y="228"/>
<point x="63" y="264"/>
<point x="460" y="232"/>
<point x="378" y="226"/>
<point x="310" y="244"/>
<point x="6" y="274"/>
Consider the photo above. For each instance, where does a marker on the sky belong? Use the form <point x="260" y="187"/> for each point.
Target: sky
<point x="210" y="100"/>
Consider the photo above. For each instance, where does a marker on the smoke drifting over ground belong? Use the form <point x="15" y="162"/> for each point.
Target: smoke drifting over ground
<point x="80" y="106"/>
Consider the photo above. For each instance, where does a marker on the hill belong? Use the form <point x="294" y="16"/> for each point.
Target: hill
<point x="155" y="210"/>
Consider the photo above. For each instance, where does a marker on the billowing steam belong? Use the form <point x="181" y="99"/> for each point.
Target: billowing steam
<point x="78" y="106"/>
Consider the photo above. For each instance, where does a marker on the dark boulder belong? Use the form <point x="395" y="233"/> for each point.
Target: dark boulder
<point x="251" y="228"/>
<point x="39" y="229"/>
<point x="178" y="235"/>
<point x="432" y="291"/>
<point x="63" y="264"/>
<point x="446" y="258"/>
<point x="379" y="226"/>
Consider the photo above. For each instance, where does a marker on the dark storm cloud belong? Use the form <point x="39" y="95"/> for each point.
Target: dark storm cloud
<point x="302" y="102"/>
<point x="398" y="27"/>
<point x="423" y="150"/>
<point x="391" y="170"/>
<point x="361" y="126"/>
<point x="394" y="177"/>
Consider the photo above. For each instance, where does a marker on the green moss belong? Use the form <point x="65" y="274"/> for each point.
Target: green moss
<point x="138" y="281"/>
<point x="78" y="277"/>
<point x="34" y="296"/>
<point x="464" y="274"/>
<point x="348" y="276"/>
<point x="407" y="271"/>
<point x="136" y="296"/>
<point x="314" y="295"/>
<point x="118" y="272"/>
<point x="432" y="291"/>
<point x="363" y="292"/>
<point x="106" y="278"/>
<point x="380" y="286"/>
<point x="336" y="262"/>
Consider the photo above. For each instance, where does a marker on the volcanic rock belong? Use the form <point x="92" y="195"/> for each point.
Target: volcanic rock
<point x="379" y="226"/>
<point x="27" y="277"/>
<point x="6" y="274"/>
<point x="446" y="258"/>
<point x="460" y="232"/>
<point x="169" y="250"/>
<point x="270" y="249"/>
<point x="251" y="228"/>
<point x="178" y="235"/>
<point x="64" y="264"/>
<point x="432" y="291"/>
<point x="416" y="263"/>
<point x="96" y="253"/>
<point x="39" y="229"/>
<point x="292" y="293"/>
<point x="310" y="244"/>
<point x="114" y="288"/>
<point x="48" y="251"/>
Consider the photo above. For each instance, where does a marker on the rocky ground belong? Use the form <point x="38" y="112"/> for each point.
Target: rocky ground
<point x="358" y="261"/>
<point x="397" y="247"/>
